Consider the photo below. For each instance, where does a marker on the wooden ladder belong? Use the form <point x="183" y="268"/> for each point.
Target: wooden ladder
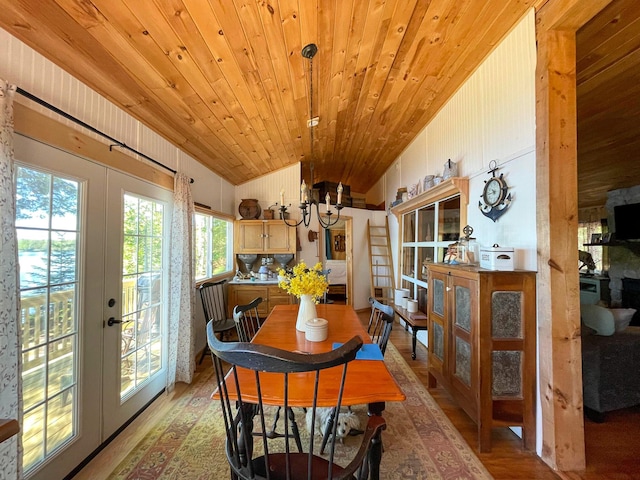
<point x="381" y="264"/>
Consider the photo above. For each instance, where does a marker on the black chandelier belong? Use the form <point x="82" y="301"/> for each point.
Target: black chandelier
<point x="306" y="193"/>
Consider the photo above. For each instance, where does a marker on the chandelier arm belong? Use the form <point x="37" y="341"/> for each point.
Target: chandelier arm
<point x="328" y="223"/>
<point x="283" y="210"/>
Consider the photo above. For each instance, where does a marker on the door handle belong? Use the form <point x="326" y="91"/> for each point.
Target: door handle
<point x="113" y="321"/>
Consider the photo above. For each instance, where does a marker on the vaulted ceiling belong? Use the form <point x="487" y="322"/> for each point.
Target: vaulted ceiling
<point x="225" y="79"/>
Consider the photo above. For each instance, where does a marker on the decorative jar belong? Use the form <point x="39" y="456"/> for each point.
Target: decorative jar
<point x="263" y="271"/>
<point x="316" y="330"/>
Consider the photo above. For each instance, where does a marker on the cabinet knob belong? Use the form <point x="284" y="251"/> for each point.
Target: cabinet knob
<point x="448" y="289"/>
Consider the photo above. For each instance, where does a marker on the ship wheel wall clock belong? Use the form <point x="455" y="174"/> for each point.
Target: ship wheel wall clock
<point x="494" y="195"/>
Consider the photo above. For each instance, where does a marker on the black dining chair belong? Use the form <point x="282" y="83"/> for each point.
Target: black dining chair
<point x="380" y="323"/>
<point x="277" y="461"/>
<point x="247" y="324"/>
<point x="214" y="304"/>
<point x="247" y="319"/>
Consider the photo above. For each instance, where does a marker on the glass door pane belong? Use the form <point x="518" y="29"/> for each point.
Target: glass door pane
<point x="408" y="260"/>
<point x="141" y="327"/>
<point x="48" y="231"/>
<point x="409" y="229"/>
<point x="426" y="223"/>
<point x="449" y="220"/>
<point x="425" y="255"/>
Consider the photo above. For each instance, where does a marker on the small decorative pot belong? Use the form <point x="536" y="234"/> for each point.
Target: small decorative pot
<point x="249" y="209"/>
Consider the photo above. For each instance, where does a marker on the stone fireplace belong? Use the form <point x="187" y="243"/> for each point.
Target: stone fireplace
<point x="624" y="259"/>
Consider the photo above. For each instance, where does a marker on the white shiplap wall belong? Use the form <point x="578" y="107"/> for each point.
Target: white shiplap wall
<point x="22" y="66"/>
<point x="266" y="190"/>
<point x="491" y="117"/>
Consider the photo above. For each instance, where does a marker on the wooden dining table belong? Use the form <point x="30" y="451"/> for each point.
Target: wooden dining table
<point x="367" y="381"/>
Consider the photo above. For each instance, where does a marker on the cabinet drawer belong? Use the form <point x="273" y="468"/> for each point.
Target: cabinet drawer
<point x="246" y="294"/>
<point x="277" y="296"/>
<point x="272" y="295"/>
<point x="275" y="291"/>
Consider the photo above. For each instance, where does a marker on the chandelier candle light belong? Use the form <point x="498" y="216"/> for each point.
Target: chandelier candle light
<point x="309" y="285"/>
<point x="305" y="207"/>
<point x="306" y="200"/>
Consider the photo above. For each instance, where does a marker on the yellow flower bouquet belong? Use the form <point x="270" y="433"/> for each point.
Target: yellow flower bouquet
<point x="304" y="281"/>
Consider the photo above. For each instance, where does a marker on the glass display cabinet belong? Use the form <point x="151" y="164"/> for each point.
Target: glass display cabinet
<point x="428" y="224"/>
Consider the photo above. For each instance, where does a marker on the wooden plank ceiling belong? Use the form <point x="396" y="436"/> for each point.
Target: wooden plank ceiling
<point x="608" y="102"/>
<point x="225" y="80"/>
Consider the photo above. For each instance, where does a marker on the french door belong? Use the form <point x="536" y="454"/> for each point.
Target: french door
<point x="136" y="289"/>
<point x="92" y="256"/>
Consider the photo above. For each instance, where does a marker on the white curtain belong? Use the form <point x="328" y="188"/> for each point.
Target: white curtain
<point x="182" y="363"/>
<point x="10" y="361"/>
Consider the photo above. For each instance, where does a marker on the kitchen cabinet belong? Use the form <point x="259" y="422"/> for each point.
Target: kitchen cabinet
<point x="264" y="236"/>
<point x="272" y="295"/>
<point x="482" y="345"/>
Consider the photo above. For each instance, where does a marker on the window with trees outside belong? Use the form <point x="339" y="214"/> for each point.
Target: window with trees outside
<point x="586" y="230"/>
<point x="213" y="245"/>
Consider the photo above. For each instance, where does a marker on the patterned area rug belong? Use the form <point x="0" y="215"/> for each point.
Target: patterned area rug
<point x="420" y="442"/>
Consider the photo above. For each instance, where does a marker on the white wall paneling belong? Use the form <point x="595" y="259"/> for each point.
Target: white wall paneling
<point x="266" y="190"/>
<point x="376" y="195"/>
<point x="508" y="94"/>
<point x="414" y="160"/>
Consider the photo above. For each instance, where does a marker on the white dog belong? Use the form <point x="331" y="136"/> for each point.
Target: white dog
<point x="347" y="422"/>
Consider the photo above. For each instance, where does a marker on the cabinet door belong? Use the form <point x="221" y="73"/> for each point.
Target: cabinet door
<point x="242" y="295"/>
<point x="438" y="331"/>
<point x="279" y="238"/>
<point x="463" y="317"/>
<point x="249" y="237"/>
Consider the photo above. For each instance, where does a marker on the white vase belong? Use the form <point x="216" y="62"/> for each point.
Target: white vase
<point x="306" y="311"/>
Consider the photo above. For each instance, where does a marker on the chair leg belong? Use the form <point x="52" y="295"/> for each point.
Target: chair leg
<point x="272" y="433"/>
<point x="327" y="432"/>
<point x="294" y="429"/>
<point x="204" y="352"/>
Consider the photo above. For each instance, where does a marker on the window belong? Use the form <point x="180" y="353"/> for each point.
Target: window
<point x="588" y="234"/>
<point x="213" y="245"/>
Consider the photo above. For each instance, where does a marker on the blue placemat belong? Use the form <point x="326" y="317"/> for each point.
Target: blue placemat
<point x="368" y="351"/>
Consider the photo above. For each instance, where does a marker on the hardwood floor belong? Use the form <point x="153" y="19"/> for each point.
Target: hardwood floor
<point x="609" y="445"/>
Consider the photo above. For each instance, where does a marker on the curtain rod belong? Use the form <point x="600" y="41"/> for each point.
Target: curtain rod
<point x="116" y="143"/>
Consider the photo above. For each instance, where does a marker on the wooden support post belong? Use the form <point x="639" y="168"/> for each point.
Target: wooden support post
<point x="558" y="293"/>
